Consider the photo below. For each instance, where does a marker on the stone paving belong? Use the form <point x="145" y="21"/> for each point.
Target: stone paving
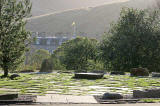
<point x="70" y="100"/>
<point x="66" y="99"/>
<point x="141" y="104"/>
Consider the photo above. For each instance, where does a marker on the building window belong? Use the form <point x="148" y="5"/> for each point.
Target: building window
<point x="52" y="51"/>
<point x="60" y="41"/>
<point x="48" y="41"/>
<point x="38" y="41"/>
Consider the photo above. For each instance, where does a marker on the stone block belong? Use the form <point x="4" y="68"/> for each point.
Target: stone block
<point x="148" y="93"/>
<point x="112" y="96"/>
<point x="8" y="96"/>
<point x="154" y="74"/>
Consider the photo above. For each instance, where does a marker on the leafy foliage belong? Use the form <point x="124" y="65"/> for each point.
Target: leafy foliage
<point x="13" y="36"/>
<point x="76" y="53"/>
<point x="134" y="41"/>
<point x="158" y="3"/>
<point x="47" y="65"/>
<point x="36" y="58"/>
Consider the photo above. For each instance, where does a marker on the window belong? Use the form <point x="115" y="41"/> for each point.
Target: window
<point x="38" y="41"/>
<point x="48" y="41"/>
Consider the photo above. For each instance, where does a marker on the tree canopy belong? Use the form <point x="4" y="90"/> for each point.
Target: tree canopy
<point x="36" y="58"/>
<point x="134" y="41"/>
<point x="75" y="53"/>
<point x="13" y="36"/>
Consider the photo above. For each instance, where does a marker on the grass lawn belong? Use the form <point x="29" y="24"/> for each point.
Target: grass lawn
<point x="63" y="83"/>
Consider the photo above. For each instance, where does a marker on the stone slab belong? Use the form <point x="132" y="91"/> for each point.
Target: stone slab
<point x="81" y="99"/>
<point x="59" y="98"/>
<point x="140" y="104"/>
<point x="67" y="99"/>
<point x="44" y="99"/>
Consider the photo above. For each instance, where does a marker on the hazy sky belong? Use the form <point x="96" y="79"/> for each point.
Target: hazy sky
<point x="41" y="7"/>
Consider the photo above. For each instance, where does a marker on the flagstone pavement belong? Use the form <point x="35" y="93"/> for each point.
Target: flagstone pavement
<point x="66" y="99"/>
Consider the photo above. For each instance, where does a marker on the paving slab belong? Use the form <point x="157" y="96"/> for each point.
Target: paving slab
<point x="139" y="104"/>
<point x="81" y="99"/>
<point x="44" y="99"/>
<point x="66" y="99"/>
<point x="59" y="98"/>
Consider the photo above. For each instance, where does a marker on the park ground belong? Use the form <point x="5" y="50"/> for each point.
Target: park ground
<point x="65" y="84"/>
<point x="144" y="104"/>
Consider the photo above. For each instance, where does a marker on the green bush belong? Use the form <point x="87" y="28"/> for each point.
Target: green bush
<point x="47" y="65"/>
<point x="117" y="73"/>
<point x="57" y="64"/>
<point x="77" y="54"/>
<point x="139" y="72"/>
<point x="35" y="59"/>
<point x="95" y="65"/>
<point x="28" y="67"/>
<point x="134" y="41"/>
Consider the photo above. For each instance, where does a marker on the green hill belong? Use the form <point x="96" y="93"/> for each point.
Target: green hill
<point x="41" y="7"/>
<point x="91" y="21"/>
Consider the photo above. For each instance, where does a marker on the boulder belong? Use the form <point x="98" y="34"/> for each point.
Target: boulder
<point x="154" y="74"/>
<point x="8" y="96"/>
<point x="112" y="96"/>
<point x="13" y="76"/>
<point x="148" y="93"/>
<point x="139" y="72"/>
<point x="117" y="73"/>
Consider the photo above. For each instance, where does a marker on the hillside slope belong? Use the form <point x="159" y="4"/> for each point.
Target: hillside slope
<point x="41" y="7"/>
<point x="92" y="21"/>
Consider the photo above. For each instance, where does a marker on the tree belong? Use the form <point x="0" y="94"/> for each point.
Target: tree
<point x="158" y="3"/>
<point x="37" y="57"/>
<point x="76" y="53"/>
<point x="134" y="41"/>
<point x="14" y="39"/>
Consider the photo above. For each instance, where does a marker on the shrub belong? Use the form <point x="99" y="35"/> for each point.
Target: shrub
<point x="57" y="65"/>
<point x="27" y="71"/>
<point x="77" y="54"/>
<point x="139" y="72"/>
<point x="25" y="68"/>
<point x="35" y="59"/>
<point x="117" y="73"/>
<point x="47" y="65"/>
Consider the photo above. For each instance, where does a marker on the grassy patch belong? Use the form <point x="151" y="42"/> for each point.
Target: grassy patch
<point x="63" y="83"/>
<point x="150" y="100"/>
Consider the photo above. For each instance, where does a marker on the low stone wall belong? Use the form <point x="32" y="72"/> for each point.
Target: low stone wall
<point x="151" y="93"/>
<point x="154" y="74"/>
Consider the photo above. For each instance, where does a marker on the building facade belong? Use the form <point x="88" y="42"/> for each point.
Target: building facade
<point x="48" y="43"/>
